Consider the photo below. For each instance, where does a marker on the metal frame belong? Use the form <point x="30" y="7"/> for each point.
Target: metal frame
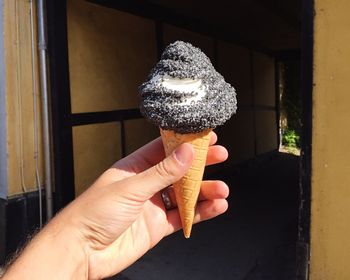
<point x="277" y="101"/>
<point x="60" y="102"/>
<point x="303" y="248"/>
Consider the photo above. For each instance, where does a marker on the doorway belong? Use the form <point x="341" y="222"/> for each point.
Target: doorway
<point x="260" y="235"/>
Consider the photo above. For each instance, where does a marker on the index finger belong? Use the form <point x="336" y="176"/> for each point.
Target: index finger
<point x="142" y="159"/>
<point x="149" y="155"/>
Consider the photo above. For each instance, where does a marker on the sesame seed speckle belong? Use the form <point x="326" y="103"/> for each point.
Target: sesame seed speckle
<point x="164" y="107"/>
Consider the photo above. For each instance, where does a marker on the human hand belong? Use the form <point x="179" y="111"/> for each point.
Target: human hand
<point x="129" y="217"/>
<point x="122" y="215"/>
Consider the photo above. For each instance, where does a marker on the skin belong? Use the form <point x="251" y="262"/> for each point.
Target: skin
<point x="119" y="218"/>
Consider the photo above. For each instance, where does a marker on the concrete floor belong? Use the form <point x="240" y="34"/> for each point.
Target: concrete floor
<point x="255" y="240"/>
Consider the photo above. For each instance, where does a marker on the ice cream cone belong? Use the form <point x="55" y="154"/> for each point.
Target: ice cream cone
<point x="187" y="188"/>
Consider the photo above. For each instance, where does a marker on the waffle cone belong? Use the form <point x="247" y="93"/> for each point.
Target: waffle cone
<point x="187" y="188"/>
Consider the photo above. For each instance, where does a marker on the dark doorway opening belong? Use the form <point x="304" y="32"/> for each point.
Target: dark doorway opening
<point x="289" y="74"/>
<point x="259" y="237"/>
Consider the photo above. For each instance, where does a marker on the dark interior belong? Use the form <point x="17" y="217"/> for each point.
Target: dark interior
<point x="257" y="238"/>
<point x="266" y="24"/>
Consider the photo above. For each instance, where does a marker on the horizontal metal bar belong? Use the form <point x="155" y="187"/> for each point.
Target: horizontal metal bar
<point x="285" y="55"/>
<point x="257" y="108"/>
<point x="129" y="114"/>
<point x="103" y="117"/>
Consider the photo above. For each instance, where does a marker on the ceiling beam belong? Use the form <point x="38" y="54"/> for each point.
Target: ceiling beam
<point x="156" y="12"/>
<point x="277" y="10"/>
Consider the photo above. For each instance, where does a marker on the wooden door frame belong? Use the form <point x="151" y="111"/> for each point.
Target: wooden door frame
<point x="303" y="246"/>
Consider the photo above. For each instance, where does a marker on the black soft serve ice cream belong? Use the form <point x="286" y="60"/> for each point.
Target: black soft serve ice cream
<point x="184" y="92"/>
<point x="186" y="98"/>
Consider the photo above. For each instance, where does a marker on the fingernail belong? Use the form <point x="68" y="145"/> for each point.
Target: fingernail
<point x="181" y="155"/>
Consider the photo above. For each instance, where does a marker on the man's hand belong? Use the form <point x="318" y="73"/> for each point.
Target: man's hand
<point x="121" y="216"/>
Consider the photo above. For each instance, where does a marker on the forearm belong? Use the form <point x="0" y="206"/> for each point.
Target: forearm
<point x="55" y="253"/>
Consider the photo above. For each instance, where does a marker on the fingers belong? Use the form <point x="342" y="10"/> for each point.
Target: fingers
<point x="213" y="138"/>
<point x="210" y="190"/>
<point x="216" y="154"/>
<point x="143" y="158"/>
<point x="163" y="174"/>
<point x="151" y="154"/>
<point x="205" y="210"/>
<point x="211" y="203"/>
<point x="209" y="209"/>
<point x="213" y="190"/>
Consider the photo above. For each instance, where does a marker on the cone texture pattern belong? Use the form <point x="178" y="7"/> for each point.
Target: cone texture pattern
<point x="187" y="188"/>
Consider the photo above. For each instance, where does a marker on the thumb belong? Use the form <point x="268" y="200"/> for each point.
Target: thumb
<point x="165" y="173"/>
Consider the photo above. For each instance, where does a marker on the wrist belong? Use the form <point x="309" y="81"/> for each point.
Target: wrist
<point x="64" y="231"/>
<point x="71" y="250"/>
<point x="56" y="252"/>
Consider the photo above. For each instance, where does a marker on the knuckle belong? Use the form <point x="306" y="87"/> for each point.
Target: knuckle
<point x="163" y="170"/>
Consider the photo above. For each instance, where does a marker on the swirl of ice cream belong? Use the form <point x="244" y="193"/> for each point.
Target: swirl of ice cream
<point x="185" y="93"/>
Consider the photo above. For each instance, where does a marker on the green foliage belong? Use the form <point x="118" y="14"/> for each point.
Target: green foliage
<point x="290" y="138"/>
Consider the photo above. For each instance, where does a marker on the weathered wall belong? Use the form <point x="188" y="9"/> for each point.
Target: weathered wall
<point x="96" y="147"/>
<point x="3" y="140"/>
<point x="253" y="130"/>
<point x="330" y="227"/>
<point x="264" y="103"/>
<point x="238" y="134"/>
<point x="19" y="88"/>
<point x="110" y="54"/>
<point x="137" y="133"/>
